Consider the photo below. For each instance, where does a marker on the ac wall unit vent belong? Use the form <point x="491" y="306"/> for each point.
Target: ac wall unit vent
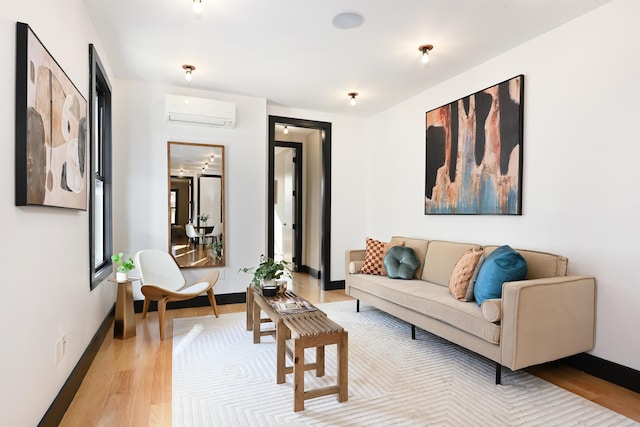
<point x="200" y="111"/>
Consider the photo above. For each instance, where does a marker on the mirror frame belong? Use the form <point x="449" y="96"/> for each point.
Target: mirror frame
<point x="223" y="261"/>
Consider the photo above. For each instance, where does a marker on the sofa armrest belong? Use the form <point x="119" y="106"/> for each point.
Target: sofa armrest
<point x="547" y="319"/>
<point x="349" y="256"/>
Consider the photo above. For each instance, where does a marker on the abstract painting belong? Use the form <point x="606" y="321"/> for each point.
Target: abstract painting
<point x="51" y="135"/>
<point x="474" y="153"/>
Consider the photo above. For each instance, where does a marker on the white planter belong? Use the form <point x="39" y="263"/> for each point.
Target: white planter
<point x="269" y="283"/>
<point x="122" y="276"/>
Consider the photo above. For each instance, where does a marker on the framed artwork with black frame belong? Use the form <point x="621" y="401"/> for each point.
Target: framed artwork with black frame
<point x="474" y="153"/>
<point x="51" y="129"/>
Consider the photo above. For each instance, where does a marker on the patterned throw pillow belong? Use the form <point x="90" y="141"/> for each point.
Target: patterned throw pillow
<point x="462" y="272"/>
<point x="373" y="258"/>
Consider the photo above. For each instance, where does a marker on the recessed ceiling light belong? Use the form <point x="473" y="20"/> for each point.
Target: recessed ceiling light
<point x="348" y="20"/>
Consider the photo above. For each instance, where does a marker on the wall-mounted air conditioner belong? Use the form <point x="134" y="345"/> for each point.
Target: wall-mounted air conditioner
<point x="200" y="111"/>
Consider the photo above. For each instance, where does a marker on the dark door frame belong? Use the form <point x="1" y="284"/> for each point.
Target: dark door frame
<point x="297" y="188"/>
<point x="325" y="234"/>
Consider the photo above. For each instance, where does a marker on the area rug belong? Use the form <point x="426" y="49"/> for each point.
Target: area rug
<point x="220" y="378"/>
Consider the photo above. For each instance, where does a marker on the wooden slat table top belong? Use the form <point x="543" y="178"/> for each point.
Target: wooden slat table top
<point x="275" y="315"/>
<point x="312" y="325"/>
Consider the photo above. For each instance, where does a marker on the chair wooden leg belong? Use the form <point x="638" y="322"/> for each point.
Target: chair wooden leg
<point x="145" y="307"/>
<point x="212" y="300"/>
<point x="162" y="308"/>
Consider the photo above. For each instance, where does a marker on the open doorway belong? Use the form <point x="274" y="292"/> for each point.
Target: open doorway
<point x="314" y="214"/>
<point x="288" y="196"/>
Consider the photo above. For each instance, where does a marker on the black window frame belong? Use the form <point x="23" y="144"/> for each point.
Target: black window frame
<point x="100" y="87"/>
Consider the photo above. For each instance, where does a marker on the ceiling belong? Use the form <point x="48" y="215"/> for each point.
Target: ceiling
<point x="288" y="51"/>
<point x="193" y="157"/>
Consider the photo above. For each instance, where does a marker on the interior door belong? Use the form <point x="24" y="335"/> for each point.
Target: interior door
<point x="285" y="204"/>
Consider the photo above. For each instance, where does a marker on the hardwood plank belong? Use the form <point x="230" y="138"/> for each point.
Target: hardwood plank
<point x="611" y="396"/>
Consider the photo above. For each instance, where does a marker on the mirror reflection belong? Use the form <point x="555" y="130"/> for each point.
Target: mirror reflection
<point x="196" y="204"/>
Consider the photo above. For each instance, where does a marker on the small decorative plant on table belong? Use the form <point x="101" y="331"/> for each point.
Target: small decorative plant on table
<point x="267" y="273"/>
<point x="124" y="266"/>
<point x="204" y="218"/>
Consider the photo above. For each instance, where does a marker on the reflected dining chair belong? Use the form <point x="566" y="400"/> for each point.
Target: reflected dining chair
<point x="215" y="233"/>
<point x="192" y="234"/>
<point x="162" y="281"/>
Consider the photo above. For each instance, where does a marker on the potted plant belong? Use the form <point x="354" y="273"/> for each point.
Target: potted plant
<point x="216" y="249"/>
<point x="124" y="266"/>
<point x="267" y="273"/>
<point x="204" y="218"/>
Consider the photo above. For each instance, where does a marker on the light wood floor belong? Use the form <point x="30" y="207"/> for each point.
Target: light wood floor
<point x="129" y="382"/>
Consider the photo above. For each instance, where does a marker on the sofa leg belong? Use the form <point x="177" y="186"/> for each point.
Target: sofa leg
<point x="498" y="373"/>
<point x="358" y="305"/>
<point x="413" y="332"/>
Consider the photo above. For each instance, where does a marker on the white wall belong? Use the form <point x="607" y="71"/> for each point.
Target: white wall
<point x="44" y="251"/>
<point x="580" y="160"/>
<point x="348" y="207"/>
<point x="140" y="175"/>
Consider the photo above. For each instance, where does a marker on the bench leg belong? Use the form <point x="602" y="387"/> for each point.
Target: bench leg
<point x="298" y="376"/>
<point x="358" y="305"/>
<point x="498" y="373"/>
<point x="256" y="323"/>
<point x="282" y="334"/>
<point x="249" y="309"/>
<point x="413" y="332"/>
<point x="320" y="361"/>
<point x="343" y="367"/>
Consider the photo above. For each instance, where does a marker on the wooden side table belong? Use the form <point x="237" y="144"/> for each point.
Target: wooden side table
<point x="125" y="324"/>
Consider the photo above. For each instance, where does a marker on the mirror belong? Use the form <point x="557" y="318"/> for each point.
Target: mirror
<point x="196" y="204"/>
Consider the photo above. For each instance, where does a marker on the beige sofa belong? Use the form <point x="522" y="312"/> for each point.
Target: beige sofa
<point x="546" y="317"/>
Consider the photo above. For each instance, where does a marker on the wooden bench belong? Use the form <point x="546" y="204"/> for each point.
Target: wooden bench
<point x="316" y="331"/>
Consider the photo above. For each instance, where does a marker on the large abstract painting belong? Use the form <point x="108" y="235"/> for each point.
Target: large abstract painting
<point x="51" y="136"/>
<point x="474" y="153"/>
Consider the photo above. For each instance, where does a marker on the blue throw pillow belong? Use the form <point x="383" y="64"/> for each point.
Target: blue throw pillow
<point x="401" y="262"/>
<point x="503" y="265"/>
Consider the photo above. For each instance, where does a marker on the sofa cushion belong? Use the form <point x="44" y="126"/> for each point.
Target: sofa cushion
<point x="474" y="278"/>
<point x="440" y="259"/>
<point x="419" y="247"/>
<point x="503" y="265"/>
<point x="492" y="309"/>
<point x="375" y="252"/>
<point x="431" y="299"/>
<point x="373" y="260"/>
<point x="355" y="267"/>
<point x="387" y="247"/>
<point x="462" y="273"/>
<point x="401" y="263"/>
<point x="540" y="265"/>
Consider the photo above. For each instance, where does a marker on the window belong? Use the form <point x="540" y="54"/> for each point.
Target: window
<point x="100" y="218"/>
<point x="173" y="206"/>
